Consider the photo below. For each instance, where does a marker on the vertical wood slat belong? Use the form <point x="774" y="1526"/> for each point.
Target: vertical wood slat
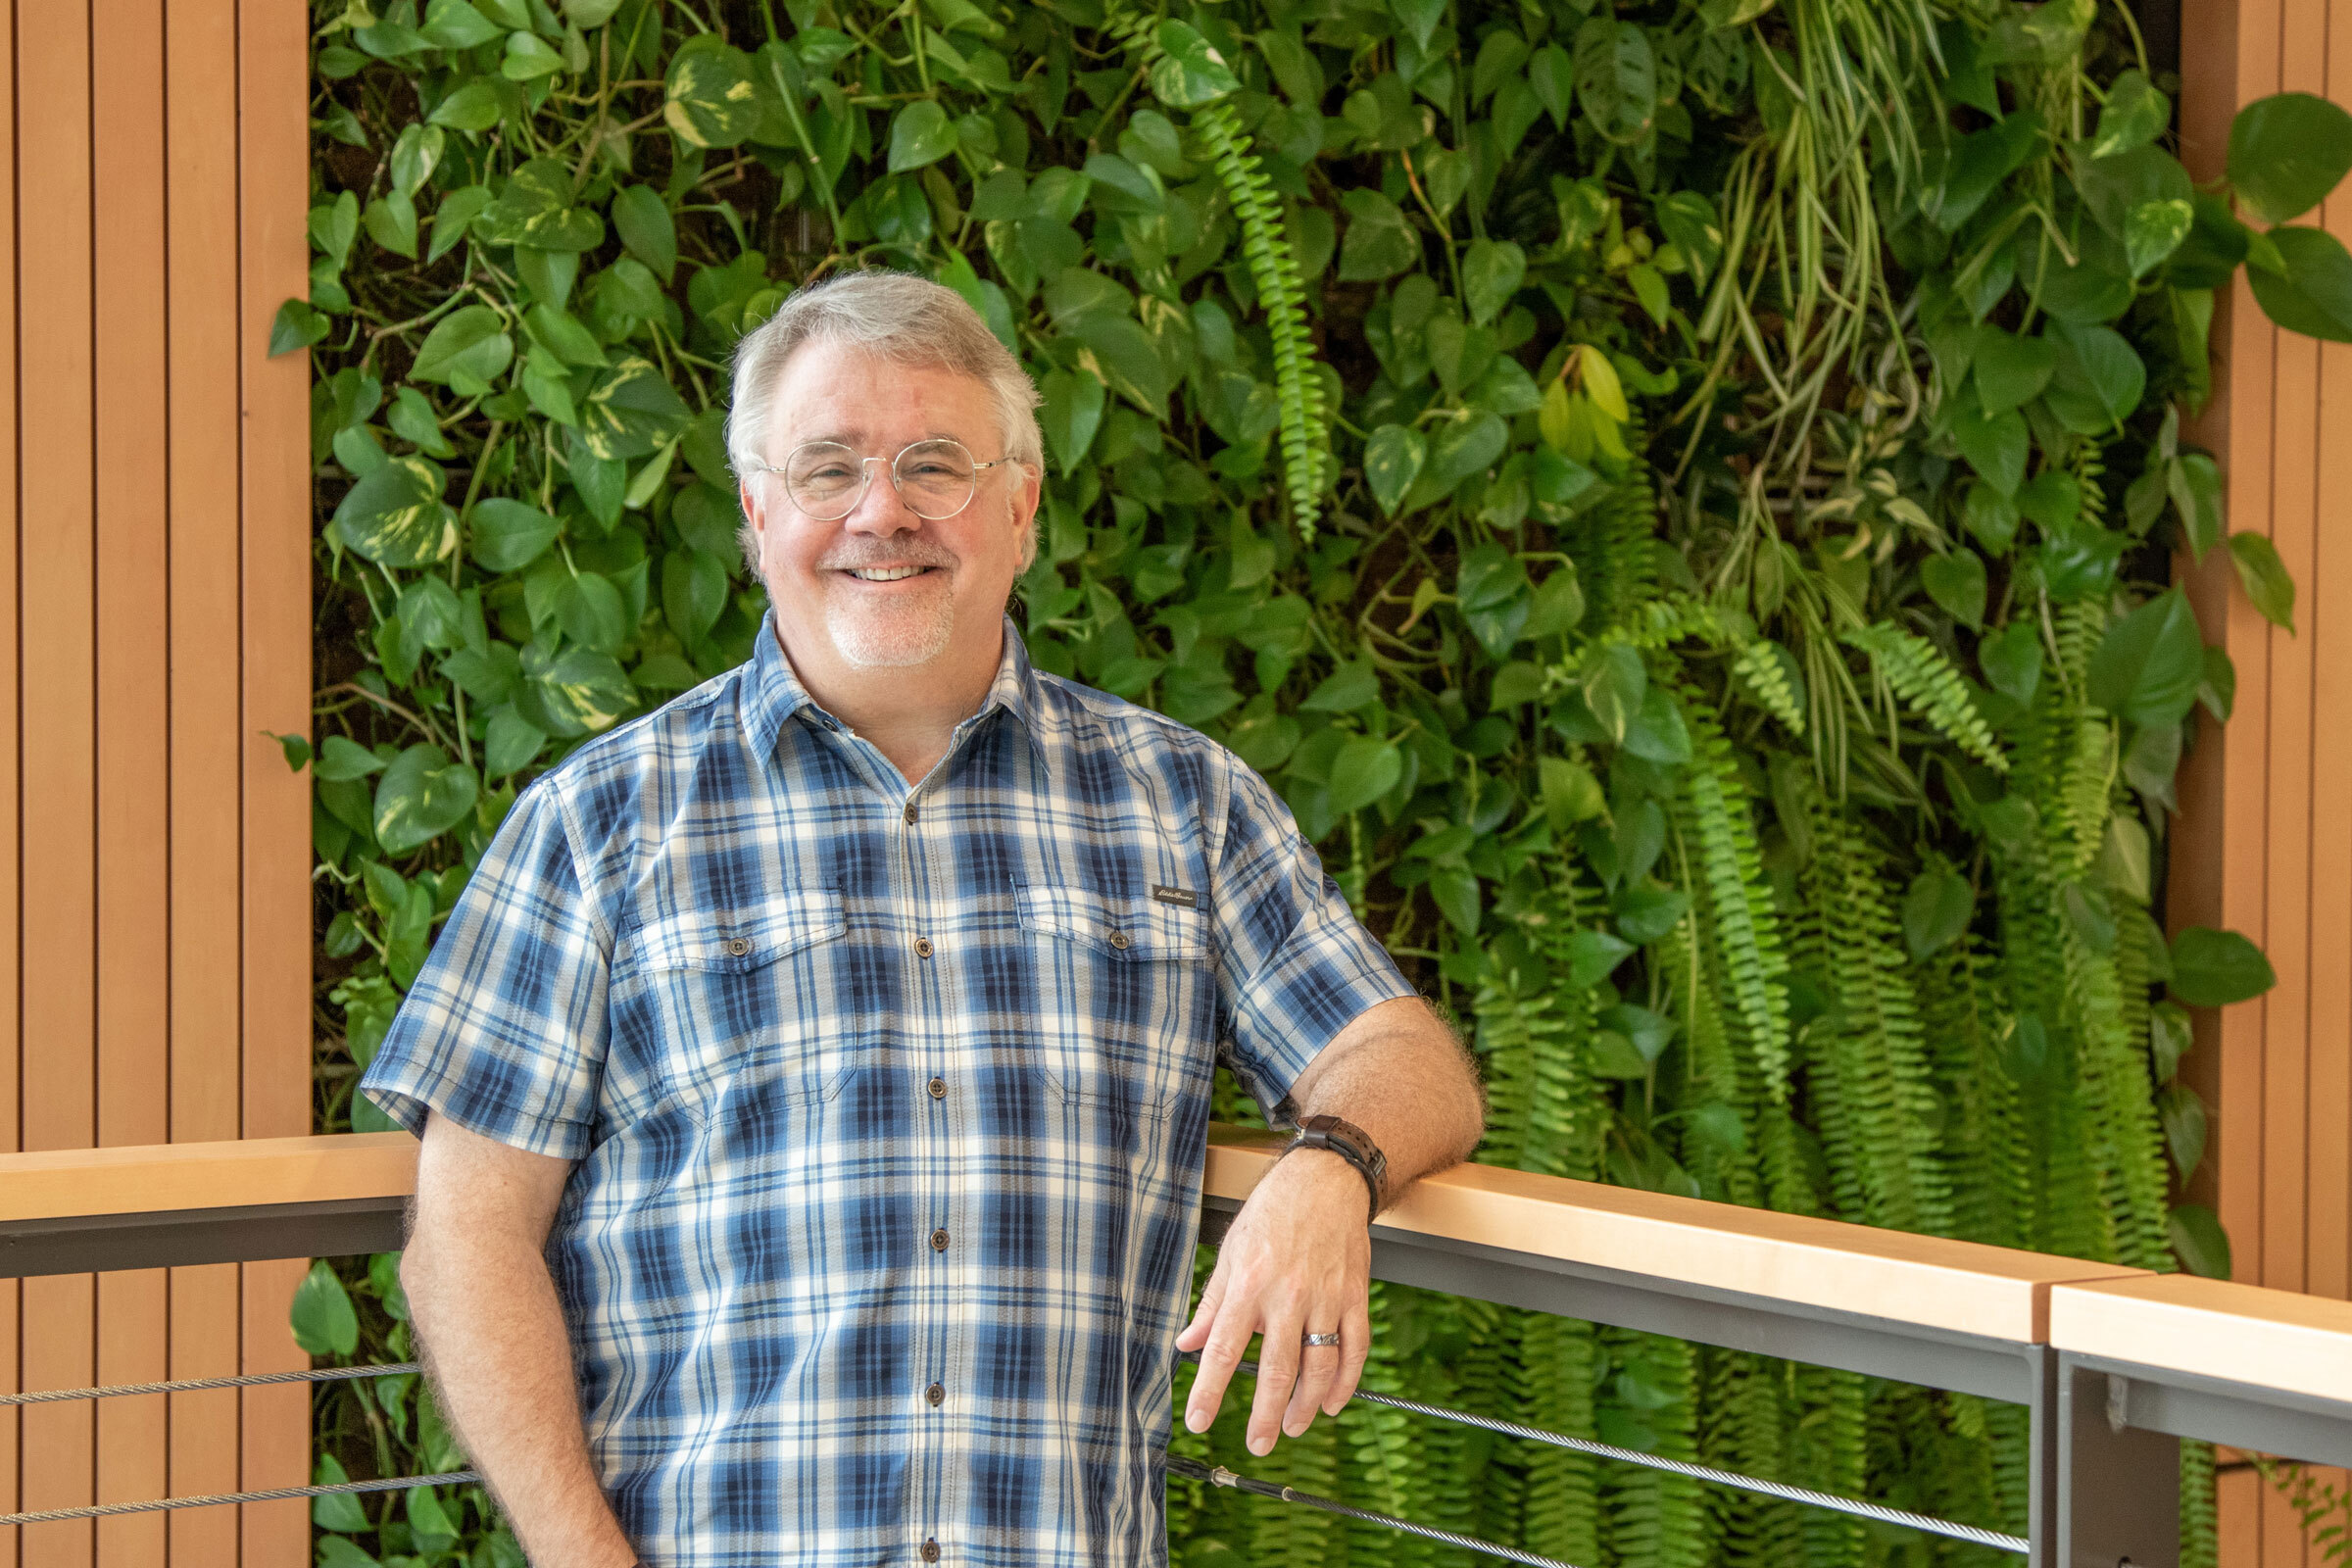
<point x="207" y="728"/>
<point x="131" y="562"/>
<point x="273" y="193"/>
<point x="56" y="873"/>
<point x="10" y="1124"/>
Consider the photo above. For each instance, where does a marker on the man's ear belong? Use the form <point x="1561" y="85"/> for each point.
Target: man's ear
<point x="1025" y="502"/>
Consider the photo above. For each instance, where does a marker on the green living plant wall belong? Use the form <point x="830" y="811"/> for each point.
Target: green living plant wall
<point x="1679" y="498"/>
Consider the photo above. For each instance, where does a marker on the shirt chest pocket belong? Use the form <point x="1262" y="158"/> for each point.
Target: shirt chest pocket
<point x="744" y="1004"/>
<point x="1121" y="999"/>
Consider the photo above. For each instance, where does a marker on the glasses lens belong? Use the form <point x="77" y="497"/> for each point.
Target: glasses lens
<point x="936" y="478"/>
<point x="824" y="478"/>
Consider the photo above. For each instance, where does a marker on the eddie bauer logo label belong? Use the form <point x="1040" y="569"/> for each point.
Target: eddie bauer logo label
<point x="1177" y="895"/>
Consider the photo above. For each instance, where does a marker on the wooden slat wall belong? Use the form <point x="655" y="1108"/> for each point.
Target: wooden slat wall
<point x="2264" y="844"/>
<point x="158" y="546"/>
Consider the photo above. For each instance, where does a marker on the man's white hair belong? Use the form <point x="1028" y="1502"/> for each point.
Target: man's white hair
<point x="899" y="317"/>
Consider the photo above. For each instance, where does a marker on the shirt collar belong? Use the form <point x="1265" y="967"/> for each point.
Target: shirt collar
<point x="775" y="694"/>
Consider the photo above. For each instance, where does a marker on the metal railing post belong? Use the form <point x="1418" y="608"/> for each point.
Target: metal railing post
<point x="2119" y="1486"/>
<point x="2041" y="1442"/>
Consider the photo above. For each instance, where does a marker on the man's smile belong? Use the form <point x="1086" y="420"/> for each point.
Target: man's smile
<point x="885" y="573"/>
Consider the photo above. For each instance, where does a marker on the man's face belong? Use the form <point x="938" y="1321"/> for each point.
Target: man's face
<point x="883" y="587"/>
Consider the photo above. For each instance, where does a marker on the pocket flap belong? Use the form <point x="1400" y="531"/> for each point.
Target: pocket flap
<point x="1122" y="926"/>
<point x="734" y="939"/>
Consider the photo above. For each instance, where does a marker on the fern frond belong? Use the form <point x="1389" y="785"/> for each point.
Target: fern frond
<point x="1867" y="1073"/>
<point x="2200" y="1509"/>
<point x="1274" y="270"/>
<point x="1739" y="900"/>
<point x="1986" y="1146"/>
<point x="1559" y="1364"/>
<point x="1305" y="431"/>
<point x="1659" y="1520"/>
<point x="1763" y="676"/>
<point x="1660" y="622"/>
<point x="1921" y="676"/>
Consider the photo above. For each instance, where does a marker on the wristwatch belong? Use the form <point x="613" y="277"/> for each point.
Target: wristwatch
<point x="1352" y="1145"/>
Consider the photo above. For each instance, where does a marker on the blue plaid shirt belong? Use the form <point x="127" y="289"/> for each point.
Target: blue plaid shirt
<point x="889" y="1103"/>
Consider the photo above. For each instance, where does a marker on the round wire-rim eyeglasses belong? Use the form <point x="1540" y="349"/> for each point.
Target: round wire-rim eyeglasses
<point x="819" y="485"/>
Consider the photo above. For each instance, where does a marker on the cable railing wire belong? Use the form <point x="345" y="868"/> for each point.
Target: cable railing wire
<point x="1806" y="1495"/>
<point x="323" y="1374"/>
<point x="1855" y="1506"/>
<point x="1218" y="1475"/>
<point x="108" y="1511"/>
<point x="249" y="1380"/>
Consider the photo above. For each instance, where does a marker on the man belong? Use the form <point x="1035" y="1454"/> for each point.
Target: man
<point x="813" y="1077"/>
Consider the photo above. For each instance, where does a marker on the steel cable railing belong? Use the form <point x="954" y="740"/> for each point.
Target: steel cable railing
<point x="325" y="1374"/>
<point x="1858" y="1507"/>
<point x="1177" y="1466"/>
<point x="1218" y="1475"/>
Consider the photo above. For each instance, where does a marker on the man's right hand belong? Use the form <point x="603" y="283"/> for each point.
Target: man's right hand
<point x="492" y="1334"/>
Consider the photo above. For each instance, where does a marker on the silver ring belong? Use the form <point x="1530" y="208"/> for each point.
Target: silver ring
<point x="1332" y="1338"/>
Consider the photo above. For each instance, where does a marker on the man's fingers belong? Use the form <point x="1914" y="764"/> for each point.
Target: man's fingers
<point x="1196" y="1333"/>
<point x="1355" y="1347"/>
<point x="1318" y="1368"/>
<point x="1227" y="1338"/>
<point x="1277" y="1374"/>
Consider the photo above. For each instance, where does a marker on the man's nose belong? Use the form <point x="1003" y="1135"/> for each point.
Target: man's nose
<point x="881" y="509"/>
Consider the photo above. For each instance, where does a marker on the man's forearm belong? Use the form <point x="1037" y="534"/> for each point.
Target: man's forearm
<point x="492" y="1333"/>
<point x="1410" y="1087"/>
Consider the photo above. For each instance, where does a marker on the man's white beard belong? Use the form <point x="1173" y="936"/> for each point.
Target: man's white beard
<point x="894" y="637"/>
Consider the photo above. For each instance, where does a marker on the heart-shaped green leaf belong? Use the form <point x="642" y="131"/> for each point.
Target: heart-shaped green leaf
<point x="2135" y="114"/>
<point x="1492" y="271"/>
<point x="2287" y="152"/>
<point x="2265" y="578"/>
<point x="2154" y="229"/>
<point x="1366" y="768"/>
<point x="920" y="133"/>
<point x="710" y="96"/>
<point x="2148" y="666"/>
<point x="466" y="350"/>
<point x="2010" y="370"/>
<point x="396" y="518"/>
<point x="1190" y="72"/>
<point x="422" y="796"/>
<point x="1956" y="582"/>
<point x="2214" y="968"/>
<point x="1392" y="460"/>
<point x="2310" y="290"/>
<point x="1937" y="910"/>
<point x="1995" y="447"/>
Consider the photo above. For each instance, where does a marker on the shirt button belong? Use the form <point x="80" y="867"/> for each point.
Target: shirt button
<point x="938" y="1089"/>
<point x="739" y="946"/>
<point x="939" y="1241"/>
<point x="930" y="1551"/>
<point x="1118" y="940"/>
<point x="922" y="946"/>
<point x="935" y="1393"/>
<point x="912" y="813"/>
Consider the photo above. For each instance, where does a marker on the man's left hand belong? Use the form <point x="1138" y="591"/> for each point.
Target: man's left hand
<point x="1297" y="1260"/>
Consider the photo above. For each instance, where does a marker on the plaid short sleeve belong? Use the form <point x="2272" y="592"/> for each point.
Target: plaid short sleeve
<point x="503" y="1029"/>
<point x="1295" y="964"/>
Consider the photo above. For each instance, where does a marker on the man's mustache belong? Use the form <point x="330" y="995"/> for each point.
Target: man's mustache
<point x="884" y="553"/>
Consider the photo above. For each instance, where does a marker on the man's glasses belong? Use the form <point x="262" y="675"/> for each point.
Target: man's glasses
<point x="827" y="479"/>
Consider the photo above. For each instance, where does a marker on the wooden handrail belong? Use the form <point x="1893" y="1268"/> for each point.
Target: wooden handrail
<point x="2236" y="1332"/>
<point x="2211" y="1328"/>
<point x="168" y="1178"/>
<point x="1920" y="1280"/>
